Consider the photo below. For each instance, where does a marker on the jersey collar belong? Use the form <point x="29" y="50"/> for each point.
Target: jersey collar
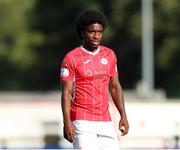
<point x="89" y="52"/>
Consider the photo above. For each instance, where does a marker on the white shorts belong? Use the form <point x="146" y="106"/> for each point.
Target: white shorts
<point x="95" y="135"/>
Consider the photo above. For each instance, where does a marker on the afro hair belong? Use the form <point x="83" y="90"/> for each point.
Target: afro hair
<point x="89" y="17"/>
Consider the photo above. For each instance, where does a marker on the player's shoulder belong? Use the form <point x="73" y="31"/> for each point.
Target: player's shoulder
<point x="73" y="52"/>
<point x="107" y="49"/>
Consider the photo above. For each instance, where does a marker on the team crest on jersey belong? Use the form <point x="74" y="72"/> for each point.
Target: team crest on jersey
<point x="64" y="72"/>
<point x="104" y="61"/>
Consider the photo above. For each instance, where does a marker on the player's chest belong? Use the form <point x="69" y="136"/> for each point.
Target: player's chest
<point x="97" y="67"/>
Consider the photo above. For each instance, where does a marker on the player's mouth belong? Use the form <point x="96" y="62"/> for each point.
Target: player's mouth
<point x="95" y="42"/>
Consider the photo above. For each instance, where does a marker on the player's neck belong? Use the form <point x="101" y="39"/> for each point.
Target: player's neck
<point x="91" y="49"/>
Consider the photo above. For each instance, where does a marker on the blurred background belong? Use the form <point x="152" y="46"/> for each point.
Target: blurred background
<point x="36" y="34"/>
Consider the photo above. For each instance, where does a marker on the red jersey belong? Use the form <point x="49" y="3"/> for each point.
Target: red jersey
<point x="91" y="72"/>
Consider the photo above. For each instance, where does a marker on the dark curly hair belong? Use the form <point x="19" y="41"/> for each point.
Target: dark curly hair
<point x="88" y="17"/>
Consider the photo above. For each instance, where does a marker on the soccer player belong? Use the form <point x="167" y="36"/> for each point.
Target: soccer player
<point x="88" y="74"/>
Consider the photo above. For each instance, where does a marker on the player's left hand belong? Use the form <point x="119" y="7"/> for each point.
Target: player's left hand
<point x="124" y="126"/>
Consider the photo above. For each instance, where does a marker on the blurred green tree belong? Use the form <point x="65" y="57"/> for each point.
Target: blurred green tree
<point x="167" y="45"/>
<point x="16" y="42"/>
<point x="125" y="38"/>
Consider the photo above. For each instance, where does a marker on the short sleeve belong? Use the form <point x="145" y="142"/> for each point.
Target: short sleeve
<point x="114" y="69"/>
<point x="67" y="71"/>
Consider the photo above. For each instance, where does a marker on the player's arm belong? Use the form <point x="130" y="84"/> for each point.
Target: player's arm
<point x="67" y="90"/>
<point x="118" y="99"/>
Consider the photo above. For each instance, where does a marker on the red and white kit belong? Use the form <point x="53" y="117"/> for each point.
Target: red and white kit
<point x="91" y="72"/>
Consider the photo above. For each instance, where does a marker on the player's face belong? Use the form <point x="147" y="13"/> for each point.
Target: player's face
<point x="93" y="36"/>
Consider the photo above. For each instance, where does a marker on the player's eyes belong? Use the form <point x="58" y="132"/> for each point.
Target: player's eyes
<point x="94" y="32"/>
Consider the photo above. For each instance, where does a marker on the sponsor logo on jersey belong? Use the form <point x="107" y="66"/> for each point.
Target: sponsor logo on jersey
<point x="97" y="74"/>
<point x="104" y="61"/>
<point x="89" y="73"/>
<point x="64" y="72"/>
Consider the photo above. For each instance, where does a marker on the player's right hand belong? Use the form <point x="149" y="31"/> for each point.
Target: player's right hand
<point x="69" y="132"/>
